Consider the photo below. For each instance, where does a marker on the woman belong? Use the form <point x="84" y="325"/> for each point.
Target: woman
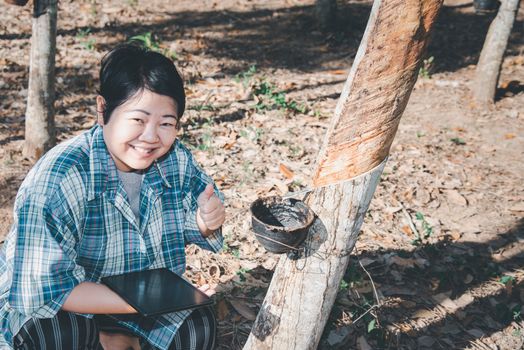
<point x="124" y="196"/>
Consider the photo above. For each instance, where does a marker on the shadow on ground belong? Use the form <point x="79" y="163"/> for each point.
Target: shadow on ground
<point x="451" y="298"/>
<point x="437" y="301"/>
<point x="289" y="37"/>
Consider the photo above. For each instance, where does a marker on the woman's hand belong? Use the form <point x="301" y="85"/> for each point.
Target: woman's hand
<point x="211" y="213"/>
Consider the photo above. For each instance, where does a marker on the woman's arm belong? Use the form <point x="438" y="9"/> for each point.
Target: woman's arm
<point x="93" y="298"/>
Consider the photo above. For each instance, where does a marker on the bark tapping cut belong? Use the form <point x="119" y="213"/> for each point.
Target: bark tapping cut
<point x="302" y="291"/>
<point x="377" y="89"/>
<point x="39" y="122"/>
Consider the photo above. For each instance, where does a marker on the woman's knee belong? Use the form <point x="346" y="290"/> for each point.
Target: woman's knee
<point x="64" y="331"/>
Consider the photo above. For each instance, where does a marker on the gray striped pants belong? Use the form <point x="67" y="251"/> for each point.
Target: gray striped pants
<point x="68" y="331"/>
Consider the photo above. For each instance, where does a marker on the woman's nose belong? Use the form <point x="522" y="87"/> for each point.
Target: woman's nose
<point x="149" y="134"/>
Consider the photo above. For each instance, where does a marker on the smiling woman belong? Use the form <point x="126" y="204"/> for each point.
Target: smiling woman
<point x="124" y="196"/>
<point x="140" y="130"/>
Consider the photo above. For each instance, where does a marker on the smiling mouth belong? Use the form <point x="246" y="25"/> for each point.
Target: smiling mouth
<point x="141" y="150"/>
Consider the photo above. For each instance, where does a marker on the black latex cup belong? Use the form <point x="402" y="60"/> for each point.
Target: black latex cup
<point x="280" y="224"/>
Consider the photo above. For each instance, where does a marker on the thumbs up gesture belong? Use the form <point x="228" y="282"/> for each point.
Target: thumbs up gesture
<point x="211" y="213"/>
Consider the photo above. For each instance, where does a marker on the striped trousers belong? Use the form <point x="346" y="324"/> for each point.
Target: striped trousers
<point x="68" y="331"/>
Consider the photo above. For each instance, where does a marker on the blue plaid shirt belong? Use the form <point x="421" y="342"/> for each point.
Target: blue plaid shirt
<point x="73" y="223"/>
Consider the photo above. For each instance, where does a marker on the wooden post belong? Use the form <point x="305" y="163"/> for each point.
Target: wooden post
<point x="488" y="68"/>
<point x="302" y="291"/>
<point x="39" y="122"/>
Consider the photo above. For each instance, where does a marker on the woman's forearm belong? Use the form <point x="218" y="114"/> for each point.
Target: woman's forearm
<point x="94" y="298"/>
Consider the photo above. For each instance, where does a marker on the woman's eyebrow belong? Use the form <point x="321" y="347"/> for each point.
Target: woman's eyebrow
<point x="169" y="116"/>
<point x="139" y="110"/>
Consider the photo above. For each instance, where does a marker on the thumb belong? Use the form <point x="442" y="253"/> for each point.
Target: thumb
<point x="205" y="195"/>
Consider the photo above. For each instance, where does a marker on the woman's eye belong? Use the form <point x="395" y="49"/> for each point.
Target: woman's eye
<point x="138" y="120"/>
<point x="168" y="125"/>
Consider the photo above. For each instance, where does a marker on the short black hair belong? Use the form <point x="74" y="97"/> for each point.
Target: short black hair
<point x="130" y="68"/>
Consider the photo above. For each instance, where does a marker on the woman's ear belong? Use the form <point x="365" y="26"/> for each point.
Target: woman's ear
<point x="100" y="108"/>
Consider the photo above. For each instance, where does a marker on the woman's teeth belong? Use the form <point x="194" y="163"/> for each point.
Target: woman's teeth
<point x="143" y="150"/>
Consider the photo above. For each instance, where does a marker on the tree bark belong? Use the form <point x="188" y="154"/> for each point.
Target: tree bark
<point x="326" y="12"/>
<point x="39" y="122"/>
<point x="488" y="68"/>
<point x="302" y="291"/>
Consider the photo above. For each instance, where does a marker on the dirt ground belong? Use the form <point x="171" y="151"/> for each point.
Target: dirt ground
<point x="442" y="242"/>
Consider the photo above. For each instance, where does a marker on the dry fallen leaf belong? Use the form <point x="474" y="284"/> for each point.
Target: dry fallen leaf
<point x="244" y="310"/>
<point x="288" y="173"/>
<point x="455" y="235"/>
<point x="402" y="262"/>
<point x="444" y="301"/>
<point x="407" y="230"/>
<point x="423" y="313"/>
<point x="464" y="300"/>
<point x="222" y="310"/>
<point x="454" y="197"/>
<point x="337" y="72"/>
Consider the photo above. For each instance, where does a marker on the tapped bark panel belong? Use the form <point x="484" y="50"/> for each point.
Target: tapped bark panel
<point x="377" y="90"/>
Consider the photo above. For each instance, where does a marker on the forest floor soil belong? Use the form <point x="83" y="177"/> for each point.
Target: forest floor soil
<point x="443" y="241"/>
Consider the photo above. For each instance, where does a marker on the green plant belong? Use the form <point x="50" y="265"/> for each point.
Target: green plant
<point x="205" y="142"/>
<point x="241" y="272"/>
<point x="295" y="185"/>
<point x="149" y="41"/>
<point x="372" y="325"/>
<point x="343" y="286"/>
<point x="428" y="230"/>
<point x="458" y="141"/>
<point x="425" y="70"/>
<point x="235" y="252"/>
<point x="269" y="98"/>
<point x="86" y="43"/>
<point x="245" y="77"/>
<point x="517" y="313"/>
<point x="506" y="279"/>
<point x="426" y="227"/>
<point x="225" y="245"/>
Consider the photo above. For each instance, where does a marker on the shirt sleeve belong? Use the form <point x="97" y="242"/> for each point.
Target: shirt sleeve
<point x="198" y="182"/>
<point x="44" y="269"/>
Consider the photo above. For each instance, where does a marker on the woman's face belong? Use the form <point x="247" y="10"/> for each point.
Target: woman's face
<point x="141" y="130"/>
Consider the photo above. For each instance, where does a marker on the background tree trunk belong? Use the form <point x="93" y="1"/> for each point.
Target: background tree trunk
<point x="326" y="12"/>
<point x="39" y="122"/>
<point x="302" y="291"/>
<point x="488" y="68"/>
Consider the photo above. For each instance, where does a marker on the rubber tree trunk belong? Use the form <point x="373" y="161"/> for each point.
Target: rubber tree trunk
<point x="302" y="291"/>
<point x="39" y="122"/>
<point x="490" y="63"/>
<point x="326" y="13"/>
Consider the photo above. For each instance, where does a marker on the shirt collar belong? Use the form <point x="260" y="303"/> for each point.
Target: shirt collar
<point x="103" y="171"/>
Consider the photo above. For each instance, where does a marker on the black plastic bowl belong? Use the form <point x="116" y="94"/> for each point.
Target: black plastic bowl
<point x="280" y="224"/>
<point x="485" y="6"/>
